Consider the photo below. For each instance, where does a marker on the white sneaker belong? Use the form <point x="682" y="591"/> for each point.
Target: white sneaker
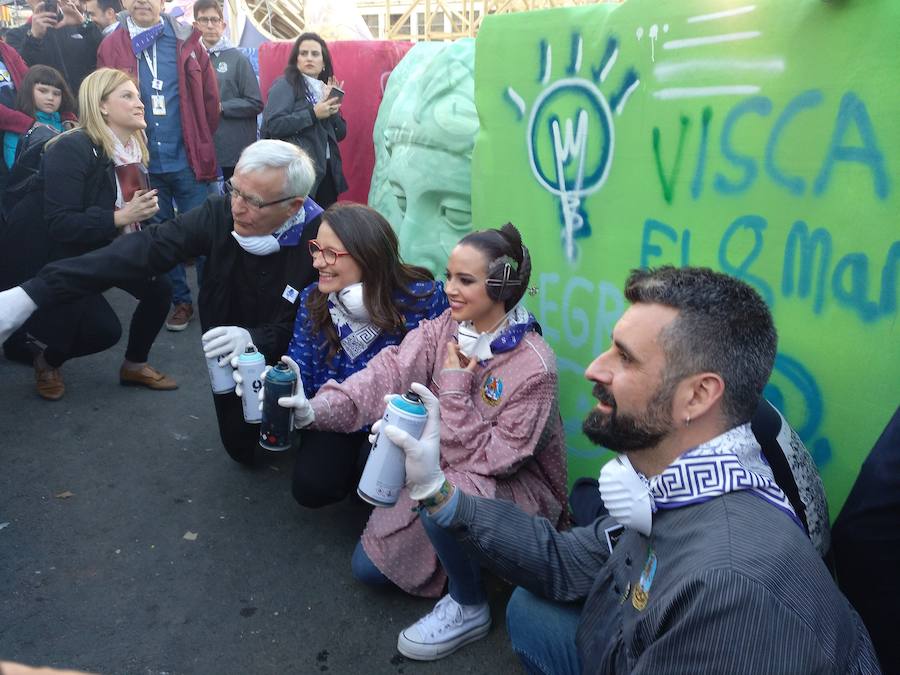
<point x="445" y="629"/>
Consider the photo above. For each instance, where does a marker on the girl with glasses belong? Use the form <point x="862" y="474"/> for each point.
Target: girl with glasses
<point x="366" y="299"/>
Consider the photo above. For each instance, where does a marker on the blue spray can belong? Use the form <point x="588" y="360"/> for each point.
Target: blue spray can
<point x="385" y="472"/>
<point x="251" y="365"/>
<point x="275" y="431"/>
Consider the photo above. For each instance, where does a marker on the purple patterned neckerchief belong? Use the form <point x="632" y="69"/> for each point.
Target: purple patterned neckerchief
<point x="520" y="322"/>
<point x="290" y="235"/>
<point x="730" y="462"/>
<point x="146" y="37"/>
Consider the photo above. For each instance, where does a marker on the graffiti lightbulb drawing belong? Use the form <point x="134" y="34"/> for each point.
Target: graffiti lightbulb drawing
<point x="570" y="133"/>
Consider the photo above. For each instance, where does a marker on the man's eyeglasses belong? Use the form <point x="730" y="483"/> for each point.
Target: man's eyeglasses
<point x="209" y="20"/>
<point x="331" y="255"/>
<point x="255" y="202"/>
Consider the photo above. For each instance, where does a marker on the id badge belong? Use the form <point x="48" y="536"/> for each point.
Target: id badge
<point x="157" y="85"/>
<point x="158" y="104"/>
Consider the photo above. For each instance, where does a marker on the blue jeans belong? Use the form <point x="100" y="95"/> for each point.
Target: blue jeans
<point x="181" y="189"/>
<point x="542" y="633"/>
<point x="463" y="573"/>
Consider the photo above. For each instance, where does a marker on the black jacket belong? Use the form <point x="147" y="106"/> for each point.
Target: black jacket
<point x="237" y="288"/>
<point x="69" y="211"/>
<point x="72" y="50"/>
<point x="290" y="118"/>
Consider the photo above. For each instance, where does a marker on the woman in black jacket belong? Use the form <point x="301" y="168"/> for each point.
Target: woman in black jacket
<point x="304" y="109"/>
<point x="88" y="193"/>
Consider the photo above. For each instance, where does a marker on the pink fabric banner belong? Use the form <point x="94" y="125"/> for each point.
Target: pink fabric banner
<point x="364" y="66"/>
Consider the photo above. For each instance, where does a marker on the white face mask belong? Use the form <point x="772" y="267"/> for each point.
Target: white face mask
<point x="626" y="496"/>
<point x="478" y="345"/>
<point x="351" y="299"/>
<point x="474" y="344"/>
<point x="263" y="245"/>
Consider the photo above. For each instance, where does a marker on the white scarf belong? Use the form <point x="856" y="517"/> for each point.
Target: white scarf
<point x="134" y="30"/>
<point x="315" y="87"/>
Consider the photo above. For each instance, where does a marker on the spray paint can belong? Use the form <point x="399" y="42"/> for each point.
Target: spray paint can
<point x="385" y="472"/>
<point x="251" y="365"/>
<point x="220" y="371"/>
<point x="275" y="431"/>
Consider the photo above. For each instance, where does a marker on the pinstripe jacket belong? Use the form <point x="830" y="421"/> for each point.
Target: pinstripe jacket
<point x="738" y="588"/>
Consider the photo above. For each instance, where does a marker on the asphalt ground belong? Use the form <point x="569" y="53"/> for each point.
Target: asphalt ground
<point x="131" y="543"/>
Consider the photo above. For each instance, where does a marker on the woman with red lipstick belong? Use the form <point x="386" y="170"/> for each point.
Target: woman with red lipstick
<point x="501" y="433"/>
<point x="302" y="109"/>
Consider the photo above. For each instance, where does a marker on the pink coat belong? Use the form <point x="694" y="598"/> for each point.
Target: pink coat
<point x="501" y="436"/>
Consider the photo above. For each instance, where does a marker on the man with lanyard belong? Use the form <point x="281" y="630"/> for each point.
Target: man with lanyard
<point x="700" y="564"/>
<point x="181" y="102"/>
<point x="256" y="243"/>
<point x="238" y="86"/>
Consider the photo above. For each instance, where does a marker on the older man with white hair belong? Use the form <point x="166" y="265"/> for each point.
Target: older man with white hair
<point x="258" y="262"/>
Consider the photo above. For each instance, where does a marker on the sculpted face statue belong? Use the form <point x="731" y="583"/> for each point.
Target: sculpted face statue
<point x="424" y="136"/>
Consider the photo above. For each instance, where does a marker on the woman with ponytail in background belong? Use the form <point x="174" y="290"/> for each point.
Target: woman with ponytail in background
<point x="501" y="433"/>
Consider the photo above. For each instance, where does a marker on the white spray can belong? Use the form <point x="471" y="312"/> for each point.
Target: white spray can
<point x="220" y="371"/>
<point x="251" y="365"/>
<point x="385" y="472"/>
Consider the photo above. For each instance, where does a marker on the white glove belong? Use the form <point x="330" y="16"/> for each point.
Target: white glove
<point x="231" y="340"/>
<point x="15" y="308"/>
<point x="424" y="477"/>
<point x="303" y="411"/>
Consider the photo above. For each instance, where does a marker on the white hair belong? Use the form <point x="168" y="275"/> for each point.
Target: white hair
<point x="299" y="174"/>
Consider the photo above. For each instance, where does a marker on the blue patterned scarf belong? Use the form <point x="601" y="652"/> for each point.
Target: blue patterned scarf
<point x="142" y="38"/>
<point x="730" y="462"/>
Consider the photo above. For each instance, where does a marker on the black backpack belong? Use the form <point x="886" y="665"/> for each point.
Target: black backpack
<point x="25" y="175"/>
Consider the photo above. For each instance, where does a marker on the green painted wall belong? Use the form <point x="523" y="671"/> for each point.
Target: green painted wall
<point x="762" y="139"/>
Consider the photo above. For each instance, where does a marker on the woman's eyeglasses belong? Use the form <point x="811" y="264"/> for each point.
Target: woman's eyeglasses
<point x="255" y="202"/>
<point x="330" y="255"/>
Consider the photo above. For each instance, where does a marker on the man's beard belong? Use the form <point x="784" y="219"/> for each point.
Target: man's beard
<point x="622" y="433"/>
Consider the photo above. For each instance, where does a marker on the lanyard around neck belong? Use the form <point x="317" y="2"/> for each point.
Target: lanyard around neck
<point x="151" y="64"/>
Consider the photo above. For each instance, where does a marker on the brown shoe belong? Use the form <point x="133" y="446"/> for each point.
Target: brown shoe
<point x="180" y="317"/>
<point x="147" y="376"/>
<point x="49" y="382"/>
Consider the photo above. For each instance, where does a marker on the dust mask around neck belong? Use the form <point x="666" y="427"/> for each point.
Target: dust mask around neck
<point x="351" y="301"/>
<point x="478" y="345"/>
<point x="262" y="245"/>
<point x="626" y="496"/>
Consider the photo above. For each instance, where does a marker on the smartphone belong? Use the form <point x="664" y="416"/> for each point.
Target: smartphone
<point x="338" y="93"/>
<point x="52" y="6"/>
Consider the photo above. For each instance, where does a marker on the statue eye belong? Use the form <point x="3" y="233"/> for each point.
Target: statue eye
<point x="457" y="213"/>
<point x="399" y="195"/>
